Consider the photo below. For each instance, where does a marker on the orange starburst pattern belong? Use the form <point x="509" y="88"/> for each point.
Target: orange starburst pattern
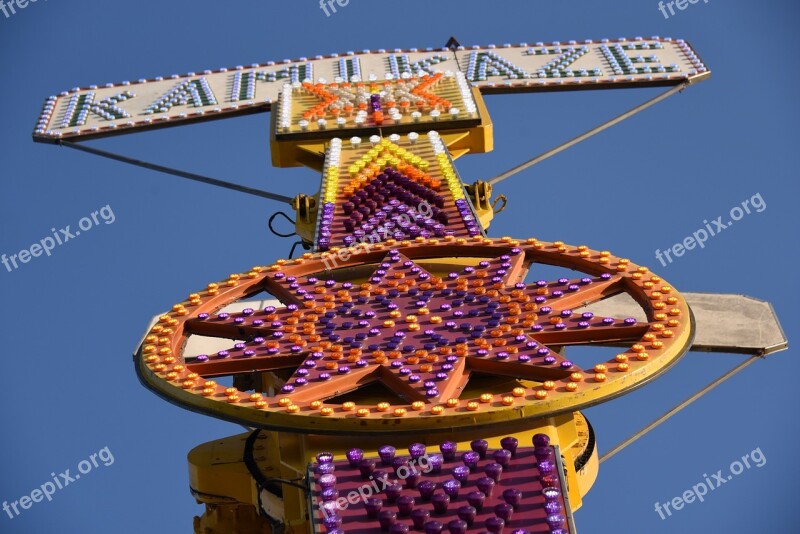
<point x="424" y="334"/>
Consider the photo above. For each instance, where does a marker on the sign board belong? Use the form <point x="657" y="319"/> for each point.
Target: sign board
<point x="134" y="105"/>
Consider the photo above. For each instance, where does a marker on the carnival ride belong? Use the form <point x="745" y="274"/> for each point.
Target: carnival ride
<point x="404" y="327"/>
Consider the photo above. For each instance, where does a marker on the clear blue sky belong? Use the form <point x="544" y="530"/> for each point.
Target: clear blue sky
<point x="71" y="321"/>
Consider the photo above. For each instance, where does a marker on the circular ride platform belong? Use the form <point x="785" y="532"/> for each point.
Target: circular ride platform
<point x="422" y="335"/>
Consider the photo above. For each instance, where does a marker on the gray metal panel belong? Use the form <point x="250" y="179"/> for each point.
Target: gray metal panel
<point x="725" y="323"/>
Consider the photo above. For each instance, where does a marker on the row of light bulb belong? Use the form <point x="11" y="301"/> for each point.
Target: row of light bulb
<point x="285" y="108"/>
<point x="449" y="174"/>
<point x="332" y="172"/>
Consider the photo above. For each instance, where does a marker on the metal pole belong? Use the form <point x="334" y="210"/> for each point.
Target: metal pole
<point x="677" y="408"/>
<point x="587" y="135"/>
<point x="175" y="172"/>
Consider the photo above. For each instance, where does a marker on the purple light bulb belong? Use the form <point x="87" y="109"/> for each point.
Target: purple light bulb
<point x="380" y="474"/>
<point x="387" y="453"/>
<point x="513" y="497"/>
<point x="354" y="456"/>
<point x="461" y="473"/>
<point x="457" y="526"/>
<point x="373" y="507"/>
<point x="434" y="466"/>
<point x="503" y="458"/>
<point x="486" y="485"/>
<point x="366" y="467"/>
<point x="494" y="471"/>
<point x="471" y="459"/>
<point x="467" y="514"/>
<point x="324" y="469"/>
<point x="504" y="511"/>
<point x="405" y="504"/>
<point x="546" y="467"/>
<point x="452" y="487"/>
<point x="495" y="525"/>
<point x="327" y="481"/>
<point x="440" y="502"/>
<point x="419" y="517"/>
<point x="329" y="508"/>
<point x="417" y="450"/>
<point x="541" y="440"/>
<point x="555" y="521"/>
<point x="332" y="522"/>
<point x="480" y="446"/>
<point x="393" y="491"/>
<point x="398" y="462"/>
<point x="543" y="453"/>
<point x="476" y="499"/>
<point x="413" y="479"/>
<point x="449" y="449"/>
<point x="552" y="507"/>
<point x="329" y="494"/>
<point x="386" y="519"/>
<point x="510" y="444"/>
<point x="426" y="489"/>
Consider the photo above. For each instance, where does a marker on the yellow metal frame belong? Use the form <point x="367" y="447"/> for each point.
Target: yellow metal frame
<point x="311" y="154"/>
